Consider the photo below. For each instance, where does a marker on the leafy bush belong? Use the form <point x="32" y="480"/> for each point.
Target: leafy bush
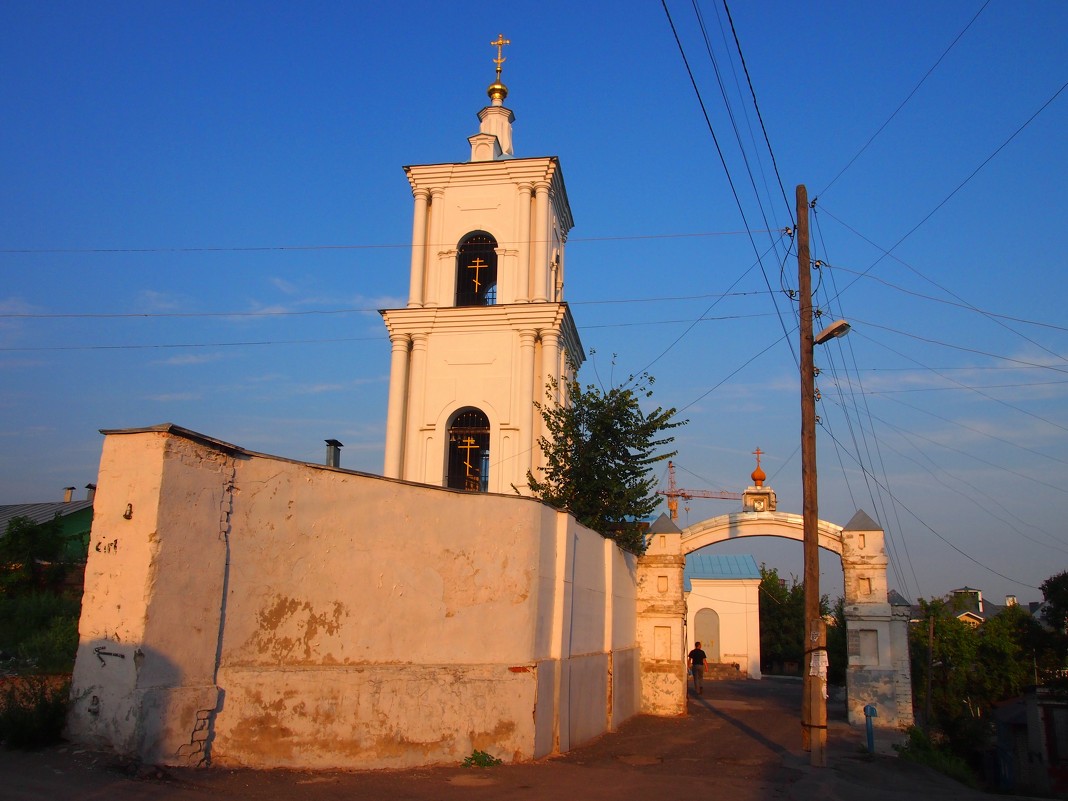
<point x="52" y="650"/>
<point x="480" y="759"/>
<point x="921" y="750"/>
<point x="32" y="712"/>
<point x="41" y="629"/>
<point x="31" y="556"/>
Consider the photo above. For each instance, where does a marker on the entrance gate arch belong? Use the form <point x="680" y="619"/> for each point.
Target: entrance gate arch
<point x="878" y="670"/>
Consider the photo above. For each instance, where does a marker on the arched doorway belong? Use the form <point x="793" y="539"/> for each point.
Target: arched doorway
<point x="706" y="632"/>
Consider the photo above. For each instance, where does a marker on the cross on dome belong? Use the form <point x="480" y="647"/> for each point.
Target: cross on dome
<point x="498" y="91"/>
<point x="758" y="475"/>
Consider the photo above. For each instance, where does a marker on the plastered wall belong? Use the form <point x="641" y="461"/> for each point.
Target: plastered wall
<point x="263" y="612"/>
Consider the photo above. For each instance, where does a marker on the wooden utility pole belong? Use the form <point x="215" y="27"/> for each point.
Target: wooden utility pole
<point x="813" y="704"/>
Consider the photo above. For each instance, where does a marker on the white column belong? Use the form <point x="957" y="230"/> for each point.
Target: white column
<point x="398" y="386"/>
<point x="414" y="470"/>
<point x="550" y="359"/>
<point x="540" y="237"/>
<point x="527" y="458"/>
<point x="434" y="247"/>
<point x="523" y="244"/>
<point x="419" y="260"/>
<point x="560" y="270"/>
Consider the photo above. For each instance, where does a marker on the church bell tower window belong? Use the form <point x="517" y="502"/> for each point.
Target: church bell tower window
<point x="469" y="452"/>
<point x="476" y="271"/>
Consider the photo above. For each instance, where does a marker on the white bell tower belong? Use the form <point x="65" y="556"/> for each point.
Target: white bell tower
<point x="486" y="326"/>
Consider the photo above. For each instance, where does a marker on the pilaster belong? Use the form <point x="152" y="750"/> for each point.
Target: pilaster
<point x="395" y="416"/>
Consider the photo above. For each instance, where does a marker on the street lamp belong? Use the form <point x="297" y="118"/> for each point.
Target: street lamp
<point x="814" y="666"/>
<point x="839" y="328"/>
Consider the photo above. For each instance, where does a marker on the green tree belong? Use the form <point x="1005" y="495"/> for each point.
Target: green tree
<point x="38" y="622"/>
<point x="31" y="556"/>
<point x="837" y="644"/>
<point x="969" y="669"/>
<point x="782" y="618"/>
<point x="1055" y="592"/>
<point x="951" y="659"/>
<point x="1007" y="653"/>
<point x="599" y="452"/>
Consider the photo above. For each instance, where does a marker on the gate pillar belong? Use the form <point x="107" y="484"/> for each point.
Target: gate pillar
<point x="878" y="670"/>
<point x="661" y="616"/>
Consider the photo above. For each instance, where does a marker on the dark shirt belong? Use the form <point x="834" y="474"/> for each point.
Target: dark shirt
<point x="698" y="656"/>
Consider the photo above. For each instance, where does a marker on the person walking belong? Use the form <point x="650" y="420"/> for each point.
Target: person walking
<point x="695" y="661"/>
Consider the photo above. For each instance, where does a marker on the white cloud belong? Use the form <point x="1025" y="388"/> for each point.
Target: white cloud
<point x="319" y="389"/>
<point x="151" y="300"/>
<point x="175" y="396"/>
<point x="283" y="286"/>
<point x="191" y="359"/>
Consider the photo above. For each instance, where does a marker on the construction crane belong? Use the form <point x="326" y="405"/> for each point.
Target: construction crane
<point x="673" y="494"/>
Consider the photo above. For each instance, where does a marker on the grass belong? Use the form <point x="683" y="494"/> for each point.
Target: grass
<point x="920" y="749"/>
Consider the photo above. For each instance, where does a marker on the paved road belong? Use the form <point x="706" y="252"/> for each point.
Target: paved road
<point x="741" y="740"/>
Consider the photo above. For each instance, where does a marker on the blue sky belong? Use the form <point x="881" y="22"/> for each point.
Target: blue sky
<point x="203" y="207"/>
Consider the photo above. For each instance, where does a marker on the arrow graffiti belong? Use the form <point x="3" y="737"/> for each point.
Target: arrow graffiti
<point x="101" y="653"/>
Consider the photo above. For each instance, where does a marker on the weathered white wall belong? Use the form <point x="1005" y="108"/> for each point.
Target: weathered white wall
<point x="286" y="614"/>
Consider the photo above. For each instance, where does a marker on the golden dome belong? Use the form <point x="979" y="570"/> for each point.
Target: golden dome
<point x="497" y="91"/>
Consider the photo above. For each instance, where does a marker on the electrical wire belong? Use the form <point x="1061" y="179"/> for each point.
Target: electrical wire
<point x="760" y="117"/>
<point x="723" y="163"/>
<point x="905" y="101"/>
<point x="302" y="248"/>
<point x="960" y="551"/>
<point x="962" y="184"/>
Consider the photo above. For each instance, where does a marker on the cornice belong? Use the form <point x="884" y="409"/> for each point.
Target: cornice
<point x="428" y="177"/>
<point x="509" y="316"/>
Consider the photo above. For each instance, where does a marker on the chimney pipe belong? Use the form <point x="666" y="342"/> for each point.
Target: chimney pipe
<point x="68" y="494"/>
<point x="333" y="453"/>
<point x="90" y="492"/>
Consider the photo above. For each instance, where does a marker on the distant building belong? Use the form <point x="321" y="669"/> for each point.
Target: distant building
<point x="76" y="519"/>
<point x="722" y="609"/>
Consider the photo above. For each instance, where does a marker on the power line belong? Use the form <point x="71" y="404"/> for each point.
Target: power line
<point x="959" y="389"/>
<point x="298" y="248"/>
<point x="980" y="495"/>
<point x="958" y="304"/>
<point x="960" y="186"/>
<point x="962" y="552"/>
<point x="976" y="351"/>
<point x="760" y="117"/>
<point x="192" y="344"/>
<point x="906" y="100"/>
<point x="723" y="163"/>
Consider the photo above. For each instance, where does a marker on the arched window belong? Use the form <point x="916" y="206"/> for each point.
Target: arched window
<point x="469" y="452"/>
<point x="476" y="270"/>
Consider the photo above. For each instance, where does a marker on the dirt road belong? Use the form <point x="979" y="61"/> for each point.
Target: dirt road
<point x="740" y="741"/>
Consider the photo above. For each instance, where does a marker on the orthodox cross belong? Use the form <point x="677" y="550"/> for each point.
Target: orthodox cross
<point x="468" y="444"/>
<point x="477" y="265"/>
<point x="757" y="453"/>
<point x="499" y="44"/>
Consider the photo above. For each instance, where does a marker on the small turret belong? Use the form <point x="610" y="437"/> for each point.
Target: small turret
<point x="494" y="138"/>
<point x="758" y="498"/>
